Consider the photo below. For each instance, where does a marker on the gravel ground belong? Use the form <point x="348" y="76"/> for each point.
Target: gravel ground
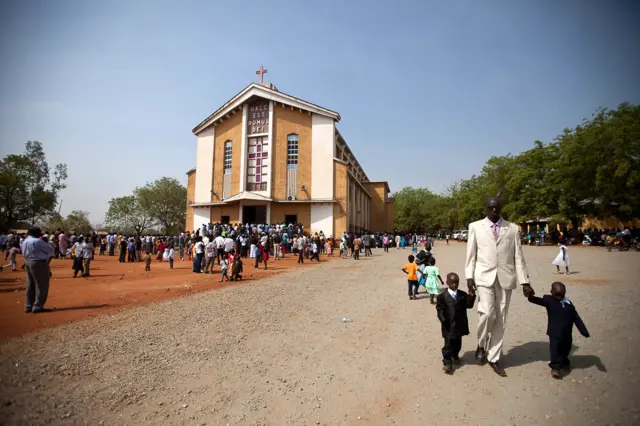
<point x="275" y="352"/>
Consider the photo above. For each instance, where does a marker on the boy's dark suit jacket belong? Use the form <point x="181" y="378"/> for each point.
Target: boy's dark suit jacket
<point x="560" y="319"/>
<point x="453" y="313"/>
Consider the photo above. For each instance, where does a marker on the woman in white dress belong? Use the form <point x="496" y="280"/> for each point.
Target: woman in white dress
<point x="562" y="259"/>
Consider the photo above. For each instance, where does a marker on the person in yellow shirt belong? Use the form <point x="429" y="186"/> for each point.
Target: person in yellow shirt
<point x="411" y="269"/>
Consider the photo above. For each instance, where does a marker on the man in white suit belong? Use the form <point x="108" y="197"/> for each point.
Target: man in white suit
<point x="494" y="267"/>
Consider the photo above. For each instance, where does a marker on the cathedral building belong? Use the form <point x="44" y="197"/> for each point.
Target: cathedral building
<point x="268" y="157"/>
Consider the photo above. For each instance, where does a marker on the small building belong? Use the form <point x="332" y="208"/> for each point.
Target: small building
<point x="268" y="157"/>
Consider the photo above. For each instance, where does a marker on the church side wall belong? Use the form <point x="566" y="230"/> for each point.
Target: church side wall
<point x="391" y="215"/>
<point x="340" y="190"/>
<point x="378" y="205"/>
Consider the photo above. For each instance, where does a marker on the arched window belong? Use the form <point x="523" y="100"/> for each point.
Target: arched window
<point x="227" y="157"/>
<point x="292" y="152"/>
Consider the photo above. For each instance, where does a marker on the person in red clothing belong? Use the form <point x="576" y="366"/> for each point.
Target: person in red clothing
<point x="160" y="251"/>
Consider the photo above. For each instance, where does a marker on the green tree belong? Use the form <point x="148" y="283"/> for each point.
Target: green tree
<point x="77" y="221"/>
<point x="28" y="193"/>
<point x="593" y="170"/>
<point x="419" y="209"/>
<point x="53" y="221"/>
<point x="533" y="185"/>
<point x="128" y="213"/>
<point x="164" y="200"/>
<point x="599" y="165"/>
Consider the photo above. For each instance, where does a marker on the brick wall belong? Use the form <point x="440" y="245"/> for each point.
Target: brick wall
<point x="340" y="193"/>
<point x="191" y="193"/>
<point x="391" y="215"/>
<point x="378" y="215"/>
<point x="230" y="129"/>
<point x="285" y="122"/>
<point x="302" y="210"/>
<point x="218" y="211"/>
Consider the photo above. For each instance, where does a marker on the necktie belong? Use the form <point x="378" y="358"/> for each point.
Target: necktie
<point x="495" y="231"/>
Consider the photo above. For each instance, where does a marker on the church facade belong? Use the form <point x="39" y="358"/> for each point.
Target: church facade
<point x="268" y="157"/>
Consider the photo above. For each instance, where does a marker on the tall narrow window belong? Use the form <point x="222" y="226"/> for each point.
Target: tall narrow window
<point x="226" y="178"/>
<point x="292" y="152"/>
<point x="257" y="164"/>
<point x="292" y="167"/>
<point x="227" y="157"/>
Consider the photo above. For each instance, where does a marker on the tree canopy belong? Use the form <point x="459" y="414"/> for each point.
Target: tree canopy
<point x="159" y="203"/>
<point x="128" y="214"/>
<point x="591" y="170"/>
<point x="28" y="191"/>
<point x="164" y="200"/>
<point x="77" y="221"/>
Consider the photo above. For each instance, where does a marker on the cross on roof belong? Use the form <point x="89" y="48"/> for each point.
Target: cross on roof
<point x="261" y="71"/>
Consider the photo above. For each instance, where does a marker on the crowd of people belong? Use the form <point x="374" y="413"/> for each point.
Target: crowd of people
<point x="223" y="245"/>
<point x="494" y="266"/>
<point x="211" y="244"/>
<point x="230" y="246"/>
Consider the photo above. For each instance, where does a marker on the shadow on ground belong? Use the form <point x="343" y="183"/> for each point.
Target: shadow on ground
<point x="530" y="352"/>
<point x="77" y="308"/>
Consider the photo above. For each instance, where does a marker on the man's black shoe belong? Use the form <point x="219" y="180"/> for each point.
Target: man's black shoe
<point x="481" y="356"/>
<point x="498" y="369"/>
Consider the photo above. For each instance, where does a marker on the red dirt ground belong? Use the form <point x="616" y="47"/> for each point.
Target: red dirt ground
<point x="112" y="287"/>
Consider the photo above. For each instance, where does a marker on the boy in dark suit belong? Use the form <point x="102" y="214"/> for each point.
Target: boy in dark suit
<point x="452" y="306"/>
<point x="562" y="314"/>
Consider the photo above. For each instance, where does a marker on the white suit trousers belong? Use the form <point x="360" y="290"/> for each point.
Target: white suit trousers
<point x="493" y="306"/>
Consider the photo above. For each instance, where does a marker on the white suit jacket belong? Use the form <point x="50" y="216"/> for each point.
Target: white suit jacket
<point x="488" y="258"/>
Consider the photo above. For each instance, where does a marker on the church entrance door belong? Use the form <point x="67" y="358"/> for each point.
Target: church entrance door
<point x="254" y="214"/>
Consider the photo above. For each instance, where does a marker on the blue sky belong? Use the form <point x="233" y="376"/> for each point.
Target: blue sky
<point x="427" y="90"/>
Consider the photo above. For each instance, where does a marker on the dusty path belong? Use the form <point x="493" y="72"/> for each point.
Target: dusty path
<point x="275" y="352"/>
<point x="112" y="287"/>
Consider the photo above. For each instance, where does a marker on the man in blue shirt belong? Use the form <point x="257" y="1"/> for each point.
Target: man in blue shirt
<point x="36" y="255"/>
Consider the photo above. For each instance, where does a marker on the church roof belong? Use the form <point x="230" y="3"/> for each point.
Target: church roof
<point x="246" y="195"/>
<point x="265" y="92"/>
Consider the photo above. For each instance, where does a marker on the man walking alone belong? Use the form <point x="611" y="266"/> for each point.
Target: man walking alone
<point x="36" y="255"/>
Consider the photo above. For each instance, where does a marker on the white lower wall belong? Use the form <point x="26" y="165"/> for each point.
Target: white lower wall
<point x="204" y="166"/>
<point x="322" y="153"/>
<point x="201" y="215"/>
<point x="322" y="218"/>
